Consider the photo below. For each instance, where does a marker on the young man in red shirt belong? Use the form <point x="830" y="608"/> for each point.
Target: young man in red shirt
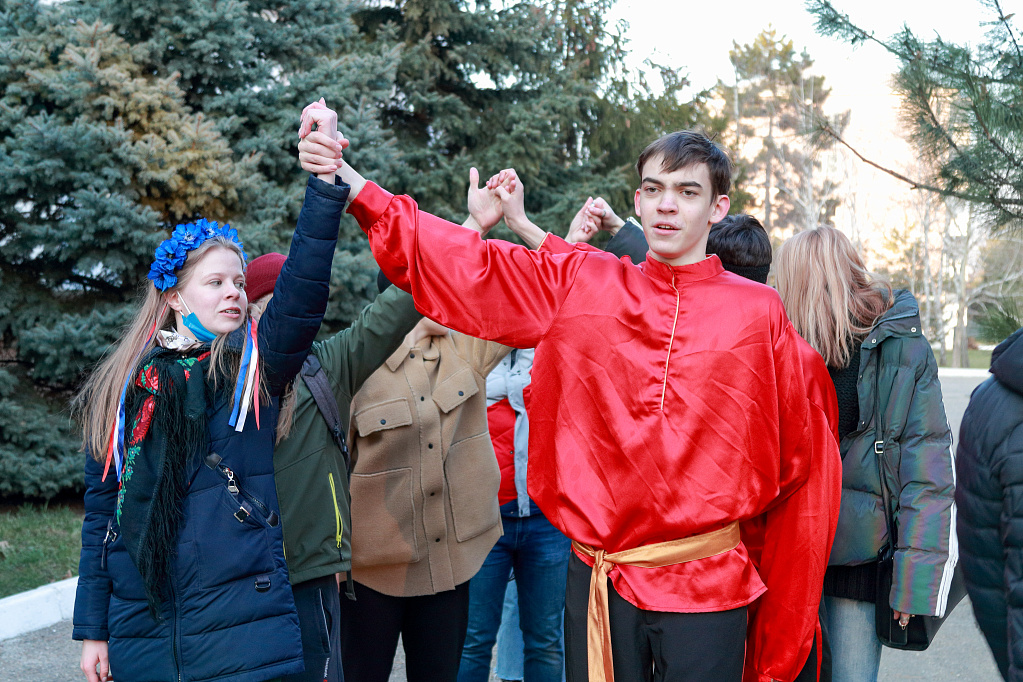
<point x="668" y="407"/>
<point x="744" y="249"/>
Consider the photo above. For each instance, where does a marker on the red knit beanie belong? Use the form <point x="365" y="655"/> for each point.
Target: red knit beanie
<point x="261" y="275"/>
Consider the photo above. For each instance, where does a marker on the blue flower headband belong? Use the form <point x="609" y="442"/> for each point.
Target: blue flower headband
<point x="171" y="253"/>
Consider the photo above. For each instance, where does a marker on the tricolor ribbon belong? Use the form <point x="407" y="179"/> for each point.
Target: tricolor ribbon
<point x="246" y="390"/>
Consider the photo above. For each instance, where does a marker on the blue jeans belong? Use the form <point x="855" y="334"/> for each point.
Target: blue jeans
<point x="538" y="553"/>
<point x="509" y="637"/>
<point x="855" y="648"/>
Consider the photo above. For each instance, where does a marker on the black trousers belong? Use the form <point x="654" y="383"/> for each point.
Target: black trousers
<point x="318" y="616"/>
<point x="649" y="646"/>
<point x="432" y="630"/>
<point x="809" y="671"/>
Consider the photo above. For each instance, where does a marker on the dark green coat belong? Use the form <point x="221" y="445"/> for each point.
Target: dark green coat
<point x="312" y="484"/>
<point x="917" y="461"/>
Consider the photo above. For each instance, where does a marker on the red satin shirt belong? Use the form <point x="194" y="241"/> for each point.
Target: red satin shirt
<point x="667" y="401"/>
<point x="782" y="631"/>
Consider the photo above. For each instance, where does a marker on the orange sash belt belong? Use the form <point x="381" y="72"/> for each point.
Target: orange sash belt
<point x="598" y="627"/>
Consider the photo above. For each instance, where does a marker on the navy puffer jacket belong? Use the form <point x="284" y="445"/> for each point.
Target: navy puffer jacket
<point x="989" y="494"/>
<point x="231" y="616"/>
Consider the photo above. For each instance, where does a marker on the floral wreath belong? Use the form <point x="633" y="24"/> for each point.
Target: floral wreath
<point x="171" y="253"/>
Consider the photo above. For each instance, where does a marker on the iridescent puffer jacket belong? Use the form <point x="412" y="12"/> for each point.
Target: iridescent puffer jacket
<point x="916" y="457"/>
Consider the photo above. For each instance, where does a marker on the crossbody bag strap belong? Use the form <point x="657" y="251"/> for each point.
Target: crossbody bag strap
<point x="879" y="439"/>
<point x="316" y="380"/>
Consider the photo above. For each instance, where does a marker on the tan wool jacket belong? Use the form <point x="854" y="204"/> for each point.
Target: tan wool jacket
<point x="424" y="475"/>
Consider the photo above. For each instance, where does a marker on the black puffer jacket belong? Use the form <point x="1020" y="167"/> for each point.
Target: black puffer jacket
<point x="989" y="463"/>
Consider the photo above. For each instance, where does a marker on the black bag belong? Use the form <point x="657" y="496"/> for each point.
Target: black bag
<point x="917" y="635"/>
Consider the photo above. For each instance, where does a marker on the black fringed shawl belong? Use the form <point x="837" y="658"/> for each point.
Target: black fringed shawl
<point x="167" y="407"/>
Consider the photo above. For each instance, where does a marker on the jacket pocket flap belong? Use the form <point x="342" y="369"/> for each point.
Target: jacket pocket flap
<point x="383" y="416"/>
<point x="455" y="390"/>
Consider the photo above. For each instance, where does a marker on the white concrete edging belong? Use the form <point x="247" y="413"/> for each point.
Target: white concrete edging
<point x="38" y="608"/>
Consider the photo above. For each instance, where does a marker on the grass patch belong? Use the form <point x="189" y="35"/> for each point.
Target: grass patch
<point x="38" y="545"/>
<point x="979" y="359"/>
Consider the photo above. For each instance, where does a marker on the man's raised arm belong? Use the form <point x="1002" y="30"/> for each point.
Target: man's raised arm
<point x="492" y="289"/>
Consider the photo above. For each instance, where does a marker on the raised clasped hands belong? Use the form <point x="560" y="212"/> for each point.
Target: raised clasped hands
<point x="594" y="216"/>
<point x="509" y="188"/>
<point x="320" y="151"/>
<point x="484" y="204"/>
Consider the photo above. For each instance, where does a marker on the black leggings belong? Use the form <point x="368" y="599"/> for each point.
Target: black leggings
<point x="432" y="630"/>
<point x="651" y="646"/>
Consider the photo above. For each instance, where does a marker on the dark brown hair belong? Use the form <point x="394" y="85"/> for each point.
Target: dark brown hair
<point x="688" y="148"/>
<point x="740" y="240"/>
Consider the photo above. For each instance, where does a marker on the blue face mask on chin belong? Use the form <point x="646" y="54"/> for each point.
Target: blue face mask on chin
<point x="191" y="321"/>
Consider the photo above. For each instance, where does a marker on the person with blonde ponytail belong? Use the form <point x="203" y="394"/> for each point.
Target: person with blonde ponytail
<point x="891" y="419"/>
<point x="182" y="572"/>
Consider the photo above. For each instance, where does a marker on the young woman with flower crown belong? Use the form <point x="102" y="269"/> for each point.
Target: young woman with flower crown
<point x="182" y="573"/>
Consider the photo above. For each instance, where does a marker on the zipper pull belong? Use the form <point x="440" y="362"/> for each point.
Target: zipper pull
<point x="107" y="539"/>
<point x="232" y="485"/>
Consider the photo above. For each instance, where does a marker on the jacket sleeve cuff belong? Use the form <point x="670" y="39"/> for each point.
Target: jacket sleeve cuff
<point x="369" y="205"/>
<point x="83" y="632"/>
<point x="336" y="192"/>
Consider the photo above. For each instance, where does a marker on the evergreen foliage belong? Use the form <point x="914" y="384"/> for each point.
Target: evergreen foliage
<point x="963" y="106"/>
<point x="121" y="118"/>
<point x="95" y="156"/>
<point x="538" y="87"/>
<point x="999" y="320"/>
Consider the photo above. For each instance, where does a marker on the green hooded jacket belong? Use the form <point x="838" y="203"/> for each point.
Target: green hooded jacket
<point x="916" y="457"/>
<point x="312" y="484"/>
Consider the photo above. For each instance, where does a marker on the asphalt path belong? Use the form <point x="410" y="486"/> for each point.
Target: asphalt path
<point x="957" y="653"/>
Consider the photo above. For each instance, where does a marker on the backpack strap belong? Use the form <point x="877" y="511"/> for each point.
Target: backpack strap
<point x="316" y="379"/>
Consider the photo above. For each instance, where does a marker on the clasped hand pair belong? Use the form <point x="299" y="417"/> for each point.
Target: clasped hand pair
<point x="321" y="151"/>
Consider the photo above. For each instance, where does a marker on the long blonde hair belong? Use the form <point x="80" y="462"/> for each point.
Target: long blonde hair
<point x="96" y="403"/>
<point x="830" y="296"/>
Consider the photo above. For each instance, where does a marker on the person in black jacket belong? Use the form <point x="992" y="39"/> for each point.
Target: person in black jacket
<point x="989" y="494"/>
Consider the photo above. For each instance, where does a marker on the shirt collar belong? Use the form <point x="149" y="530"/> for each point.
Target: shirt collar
<point x="694" y="272"/>
<point x="430" y="352"/>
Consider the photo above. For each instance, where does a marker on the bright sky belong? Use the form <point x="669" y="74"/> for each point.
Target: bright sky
<point x="662" y="29"/>
<point x="696" y="38"/>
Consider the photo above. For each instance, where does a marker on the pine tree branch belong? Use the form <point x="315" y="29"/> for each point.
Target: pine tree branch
<point x="11" y="111"/>
<point x="1008" y="28"/>
<point x="992" y="140"/>
<point x="94" y="283"/>
<point x="916" y="184"/>
<point x="988" y="177"/>
<point x="832" y="22"/>
<point x="89" y="282"/>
